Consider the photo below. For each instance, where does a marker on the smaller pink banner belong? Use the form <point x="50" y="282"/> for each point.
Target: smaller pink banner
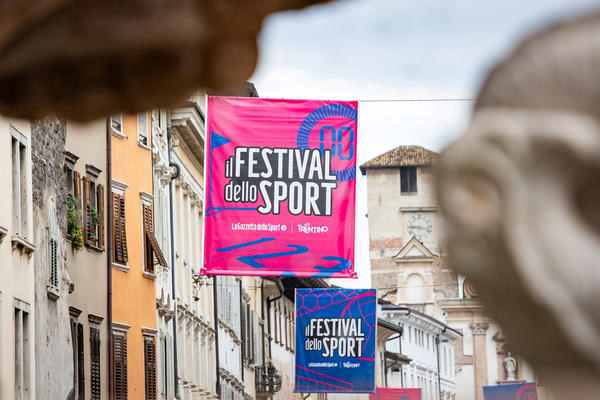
<point x="396" y="394"/>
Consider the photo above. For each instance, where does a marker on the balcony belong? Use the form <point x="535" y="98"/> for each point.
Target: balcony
<point x="268" y="380"/>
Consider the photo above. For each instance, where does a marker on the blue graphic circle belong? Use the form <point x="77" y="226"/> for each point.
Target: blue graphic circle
<point x="326" y="111"/>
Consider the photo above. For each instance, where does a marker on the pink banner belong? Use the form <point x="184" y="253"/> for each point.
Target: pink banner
<point x="280" y="187"/>
<point x="396" y="394"/>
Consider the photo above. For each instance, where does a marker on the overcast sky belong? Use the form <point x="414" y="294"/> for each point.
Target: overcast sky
<point x="395" y="49"/>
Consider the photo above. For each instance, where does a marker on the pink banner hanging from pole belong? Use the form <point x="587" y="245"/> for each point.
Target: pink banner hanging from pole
<point x="280" y="187"/>
<point x="396" y="394"/>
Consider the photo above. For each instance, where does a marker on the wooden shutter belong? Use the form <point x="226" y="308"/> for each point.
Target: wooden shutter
<point x="86" y="210"/>
<point x="150" y="367"/>
<point x="116" y="231"/>
<point x="95" y="370"/>
<point x="100" y="213"/>
<point x="80" y="363"/>
<point x="77" y="193"/>
<point x="151" y="246"/>
<point x="119" y="229"/>
<point x="122" y="226"/>
<point x="119" y="366"/>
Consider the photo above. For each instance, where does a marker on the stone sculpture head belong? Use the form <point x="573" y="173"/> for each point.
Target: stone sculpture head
<point x="85" y="59"/>
<point x="520" y="192"/>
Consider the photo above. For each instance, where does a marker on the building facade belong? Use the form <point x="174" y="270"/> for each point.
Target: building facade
<point x="135" y="256"/>
<point x="52" y="283"/>
<point x="429" y="344"/>
<point x="408" y="266"/>
<point x="86" y="256"/>
<point x="194" y="295"/>
<point x="17" y="286"/>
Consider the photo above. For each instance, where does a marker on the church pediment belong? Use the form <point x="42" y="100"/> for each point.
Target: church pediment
<point x="414" y="250"/>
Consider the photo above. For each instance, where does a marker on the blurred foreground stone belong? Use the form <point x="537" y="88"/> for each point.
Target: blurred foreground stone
<point x="520" y="192"/>
<point x="84" y="59"/>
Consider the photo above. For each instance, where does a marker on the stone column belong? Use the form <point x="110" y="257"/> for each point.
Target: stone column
<point x="479" y="331"/>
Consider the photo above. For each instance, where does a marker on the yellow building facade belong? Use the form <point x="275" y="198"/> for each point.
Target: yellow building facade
<point x="135" y="255"/>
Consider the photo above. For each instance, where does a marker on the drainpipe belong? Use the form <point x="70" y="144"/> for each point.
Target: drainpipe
<point x="437" y="342"/>
<point x="216" y="321"/>
<point x="262" y="316"/>
<point x="172" y="232"/>
<point x="109" y="239"/>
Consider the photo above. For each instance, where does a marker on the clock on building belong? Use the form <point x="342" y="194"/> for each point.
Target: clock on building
<point x="420" y="226"/>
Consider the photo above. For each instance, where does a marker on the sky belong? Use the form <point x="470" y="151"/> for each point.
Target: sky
<point x="380" y="50"/>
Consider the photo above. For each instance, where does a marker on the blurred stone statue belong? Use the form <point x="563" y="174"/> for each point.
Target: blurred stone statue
<point x="520" y="192"/>
<point x="510" y="367"/>
<point x="85" y="59"/>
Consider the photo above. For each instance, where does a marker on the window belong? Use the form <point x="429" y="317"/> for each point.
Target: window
<point x="248" y="334"/>
<point x="415" y="289"/>
<point x="73" y="202"/>
<point x="408" y="179"/>
<point x="95" y="370"/>
<point x="164" y="367"/>
<point x="20" y="188"/>
<point x="150" y="367"/>
<point x="119" y="373"/>
<point x="53" y="262"/>
<point x="22" y="355"/>
<point x="118" y="229"/>
<point x="152" y="253"/>
<point x="93" y="206"/>
<point x="78" y="357"/>
<point x="143" y="130"/>
<point x="116" y="123"/>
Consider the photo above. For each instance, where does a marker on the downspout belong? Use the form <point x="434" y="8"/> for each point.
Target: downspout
<point x="216" y="321"/>
<point x="109" y="239"/>
<point x="437" y="341"/>
<point x="262" y="316"/>
<point x="172" y="234"/>
<point x="243" y="332"/>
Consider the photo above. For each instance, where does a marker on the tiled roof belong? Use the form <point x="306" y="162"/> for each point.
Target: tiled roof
<point x="402" y="156"/>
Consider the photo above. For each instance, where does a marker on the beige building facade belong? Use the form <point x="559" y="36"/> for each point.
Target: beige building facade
<point x="17" y="296"/>
<point x="408" y="267"/>
<point x="86" y="252"/>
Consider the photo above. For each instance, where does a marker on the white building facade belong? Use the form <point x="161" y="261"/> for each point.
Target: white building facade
<point x="429" y="344"/>
<point x="194" y="295"/>
<point x="17" y="286"/>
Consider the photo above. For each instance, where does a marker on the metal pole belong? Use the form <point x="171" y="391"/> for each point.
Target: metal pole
<point x="173" y="292"/>
<point x="437" y="341"/>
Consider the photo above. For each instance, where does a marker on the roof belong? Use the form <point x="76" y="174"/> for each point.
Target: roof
<point x="387" y="306"/>
<point x="389" y="325"/>
<point x="402" y="156"/>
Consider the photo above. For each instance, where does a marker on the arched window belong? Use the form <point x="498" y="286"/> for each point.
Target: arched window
<point x="416" y="289"/>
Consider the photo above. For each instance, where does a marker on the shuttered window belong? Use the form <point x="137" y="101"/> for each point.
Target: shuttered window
<point x="95" y="370"/>
<point x="53" y="260"/>
<point x="152" y="253"/>
<point x="118" y="227"/>
<point x="80" y="363"/>
<point x="248" y="334"/>
<point x="93" y="213"/>
<point x="119" y="373"/>
<point x="150" y="367"/>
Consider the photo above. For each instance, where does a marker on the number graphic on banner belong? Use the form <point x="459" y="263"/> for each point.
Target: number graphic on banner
<point x="337" y="141"/>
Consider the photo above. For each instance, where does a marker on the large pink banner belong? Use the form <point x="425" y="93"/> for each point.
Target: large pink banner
<point x="280" y="187"/>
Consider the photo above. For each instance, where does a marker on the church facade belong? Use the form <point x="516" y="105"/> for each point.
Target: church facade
<point x="408" y="267"/>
